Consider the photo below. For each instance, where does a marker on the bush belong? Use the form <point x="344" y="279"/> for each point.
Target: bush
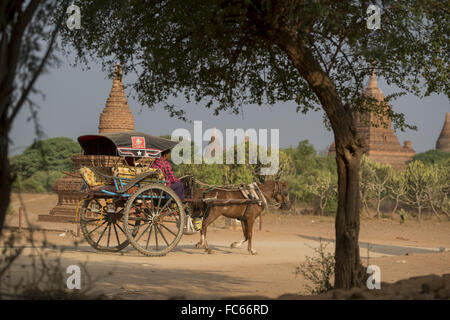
<point x="308" y="166"/>
<point x="51" y="154"/>
<point x="39" y="182"/>
<point x="40" y="165"/>
<point x="332" y="207"/>
<point x="319" y="270"/>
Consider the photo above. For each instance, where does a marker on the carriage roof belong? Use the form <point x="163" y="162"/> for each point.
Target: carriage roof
<point x="127" y="144"/>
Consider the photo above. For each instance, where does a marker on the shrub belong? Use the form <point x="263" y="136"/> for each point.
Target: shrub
<point x="39" y="182"/>
<point x="319" y="270"/>
<point x="51" y="154"/>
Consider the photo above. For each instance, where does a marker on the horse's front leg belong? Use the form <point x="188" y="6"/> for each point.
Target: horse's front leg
<point x="199" y="244"/>
<point x="237" y="244"/>
<point x="251" y="220"/>
<point x="213" y="215"/>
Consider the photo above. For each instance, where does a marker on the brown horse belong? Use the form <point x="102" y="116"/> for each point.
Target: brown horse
<point x="272" y="190"/>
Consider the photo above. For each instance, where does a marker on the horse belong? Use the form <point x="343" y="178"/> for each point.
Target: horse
<point x="246" y="213"/>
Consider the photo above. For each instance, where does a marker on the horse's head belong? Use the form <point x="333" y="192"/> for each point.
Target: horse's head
<point x="278" y="191"/>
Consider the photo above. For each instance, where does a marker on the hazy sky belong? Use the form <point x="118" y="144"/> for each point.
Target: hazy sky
<point x="75" y="98"/>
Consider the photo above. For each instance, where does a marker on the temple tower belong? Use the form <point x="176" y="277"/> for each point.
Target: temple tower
<point x="381" y="141"/>
<point x="214" y="147"/>
<point x="116" y="116"/>
<point x="443" y="143"/>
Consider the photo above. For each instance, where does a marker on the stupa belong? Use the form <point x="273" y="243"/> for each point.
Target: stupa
<point x="443" y="143"/>
<point x="382" y="143"/>
<point x="213" y="146"/>
<point x="115" y="117"/>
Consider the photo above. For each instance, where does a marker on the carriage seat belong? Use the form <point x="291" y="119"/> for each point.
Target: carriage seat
<point x="133" y="172"/>
<point x="94" y="179"/>
<point x="99" y="181"/>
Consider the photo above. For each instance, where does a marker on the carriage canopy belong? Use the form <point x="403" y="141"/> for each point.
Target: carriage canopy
<point x="127" y="144"/>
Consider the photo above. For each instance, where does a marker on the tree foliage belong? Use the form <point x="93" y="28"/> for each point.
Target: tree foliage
<point x="27" y="39"/>
<point x="324" y="187"/>
<point x="41" y="163"/>
<point x="50" y="154"/>
<point x="235" y="173"/>
<point x="374" y="180"/>
<point x="221" y="53"/>
<point x="432" y="156"/>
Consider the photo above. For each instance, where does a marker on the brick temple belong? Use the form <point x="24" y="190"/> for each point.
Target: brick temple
<point x="382" y="142"/>
<point x="115" y="117"/>
<point x="443" y="143"/>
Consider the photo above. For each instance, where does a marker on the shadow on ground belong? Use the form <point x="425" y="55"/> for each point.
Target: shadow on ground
<point x="379" y="248"/>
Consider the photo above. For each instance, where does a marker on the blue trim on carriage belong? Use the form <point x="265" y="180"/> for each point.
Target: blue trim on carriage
<point x="128" y="194"/>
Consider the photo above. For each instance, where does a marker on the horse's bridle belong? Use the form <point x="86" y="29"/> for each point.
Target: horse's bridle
<point x="276" y="190"/>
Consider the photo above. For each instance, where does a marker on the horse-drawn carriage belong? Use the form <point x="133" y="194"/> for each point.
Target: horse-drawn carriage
<point x="128" y="201"/>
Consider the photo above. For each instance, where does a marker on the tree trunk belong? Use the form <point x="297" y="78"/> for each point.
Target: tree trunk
<point x="396" y="205"/>
<point x="349" y="147"/>
<point x="419" y="206"/>
<point x="321" y="206"/>
<point x="5" y="177"/>
<point x="378" y="204"/>
<point x="349" y="271"/>
<point x="419" y="210"/>
<point x="430" y="200"/>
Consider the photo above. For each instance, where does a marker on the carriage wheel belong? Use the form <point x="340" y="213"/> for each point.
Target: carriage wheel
<point x="103" y="231"/>
<point x="161" y="218"/>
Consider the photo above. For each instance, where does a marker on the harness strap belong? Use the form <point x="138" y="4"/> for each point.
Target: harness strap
<point x="244" y="216"/>
<point x="208" y="209"/>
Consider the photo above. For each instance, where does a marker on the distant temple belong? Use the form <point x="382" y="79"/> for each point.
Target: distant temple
<point x="214" y="147"/>
<point x="443" y="143"/>
<point x="382" y="143"/>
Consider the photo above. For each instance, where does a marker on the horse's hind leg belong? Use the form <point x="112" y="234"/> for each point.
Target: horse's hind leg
<point x="238" y="244"/>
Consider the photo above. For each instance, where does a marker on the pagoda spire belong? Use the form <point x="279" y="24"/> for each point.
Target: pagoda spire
<point x="372" y="88"/>
<point x="116" y="116"/>
<point x="443" y="143"/>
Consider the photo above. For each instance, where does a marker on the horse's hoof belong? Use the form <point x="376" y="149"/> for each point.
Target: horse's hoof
<point x="234" y="245"/>
<point x="198" y="245"/>
<point x="253" y="252"/>
<point x="209" y="251"/>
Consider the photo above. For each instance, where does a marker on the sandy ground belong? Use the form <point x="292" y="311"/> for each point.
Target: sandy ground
<point x="400" y="250"/>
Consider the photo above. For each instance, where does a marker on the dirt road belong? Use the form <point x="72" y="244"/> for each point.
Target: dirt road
<point x="401" y="251"/>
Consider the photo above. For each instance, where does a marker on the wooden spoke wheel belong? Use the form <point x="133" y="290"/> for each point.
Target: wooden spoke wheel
<point x="159" y="217"/>
<point x="101" y="225"/>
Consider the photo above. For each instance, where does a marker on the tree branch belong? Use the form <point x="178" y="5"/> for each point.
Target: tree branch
<point x="36" y="74"/>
